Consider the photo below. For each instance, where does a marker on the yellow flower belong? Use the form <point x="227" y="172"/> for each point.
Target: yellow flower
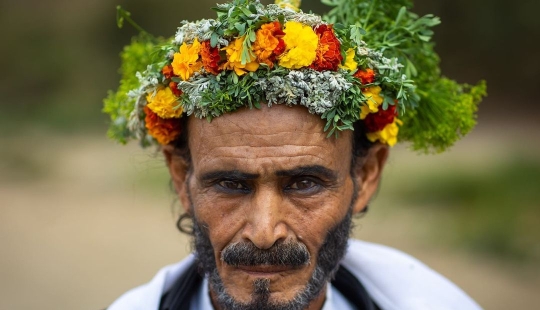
<point x="374" y="100"/>
<point x="234" y="58"/>
<point x="289" y="4"/>
<point x="350" y="64"/>
<point x="388" y="135"/>
<point x="301" y="45"/>
<point x="186" y="62"/>
<point x="163" y="103"/>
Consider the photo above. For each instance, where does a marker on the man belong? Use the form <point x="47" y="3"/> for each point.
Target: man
<point x="271" y="191"/>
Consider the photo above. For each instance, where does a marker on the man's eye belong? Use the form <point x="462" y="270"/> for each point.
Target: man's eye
<point x="303" y="185"/>
<point x="232" y="185"/>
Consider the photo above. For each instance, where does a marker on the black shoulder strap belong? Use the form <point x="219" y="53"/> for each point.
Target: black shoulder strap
<point x="351" y="288"/>
<point x="179" y="295"/>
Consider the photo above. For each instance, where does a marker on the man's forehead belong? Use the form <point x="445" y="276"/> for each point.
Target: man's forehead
<point x="273" y="135"/>
<point x="264" y="120"/>
<point x="293" y="123"/>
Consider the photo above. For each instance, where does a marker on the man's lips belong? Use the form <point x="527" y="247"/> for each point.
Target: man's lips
<point x="266" y="269"/>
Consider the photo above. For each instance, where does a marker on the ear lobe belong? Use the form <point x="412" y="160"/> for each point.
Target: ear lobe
<point x="368" y="171"/>
<point x="179" y="170"/>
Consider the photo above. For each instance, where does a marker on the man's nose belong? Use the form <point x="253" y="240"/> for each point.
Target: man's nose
<point x="266" y="213"/>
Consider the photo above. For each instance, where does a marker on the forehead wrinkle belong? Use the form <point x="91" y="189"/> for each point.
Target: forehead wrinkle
<point x="261" y="152"/>
<point x="264" y="117"/>
<point x="227" y="127"/>
<point x="256" y="138"/>
<point x="219" y="155"/>
<point x="282" y="147"/>
<point x="208" y="159"/>
<point x="261" y="141"/>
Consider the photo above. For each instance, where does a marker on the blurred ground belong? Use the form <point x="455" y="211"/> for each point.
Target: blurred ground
<point x="82" y="220"/>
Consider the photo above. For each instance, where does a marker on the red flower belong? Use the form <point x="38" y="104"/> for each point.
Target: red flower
<point x="163" y="130"/>
<point x="328" y="51"/>
<point x="168" y="71"/>
<point x="210" y="58"/>
<point x="280" y="48"/>
<point x="174" y="87"/>
<point x="365" y="76"/>
<point x="378" y="120"/>
<point x="278" y="33"/>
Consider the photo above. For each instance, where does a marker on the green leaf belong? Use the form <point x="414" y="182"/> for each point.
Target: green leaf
<point x="329" y="2"/>
<point x="424" y="38"/>
<point x="214" y="39"/>
<point x="252" y="36"/>
<point x="253" y="8"/>
<point x="328" y="123"/>
<point x="123" y="15"/>
<point x="119" y="16"/>
<point x="241" y="27"/>
<point x="339" y="26"/>
<point x="400" y="15"/>
<point x="246" y="11"/>
<point x="331" y="114"/>
<point x="331" y="132"/>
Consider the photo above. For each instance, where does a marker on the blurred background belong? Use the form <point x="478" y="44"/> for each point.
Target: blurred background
<point x="83" y="219"/>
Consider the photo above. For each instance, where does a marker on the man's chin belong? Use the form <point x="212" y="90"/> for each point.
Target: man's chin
<point x="260" y="297"/>
<point x="279" y="285"/>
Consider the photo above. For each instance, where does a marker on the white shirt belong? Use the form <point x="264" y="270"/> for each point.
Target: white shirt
<point x="393" y="279"/>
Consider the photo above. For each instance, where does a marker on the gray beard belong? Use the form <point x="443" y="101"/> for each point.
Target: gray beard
<point x="330" y="254"/>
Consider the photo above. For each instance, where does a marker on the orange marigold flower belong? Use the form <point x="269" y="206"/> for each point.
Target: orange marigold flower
<point x="234" y="58"/>
<point x="168" y="72"/>
<point x="164" y="103"/>
<point x="366" y="76"/>
<point x="210" y="58"/>
<point x="269" y="43"/>
<point x="328" y="51"/>
<point x="174" y="87"/>
<point x="186" y="62"/>
<point x="163" y="130"/>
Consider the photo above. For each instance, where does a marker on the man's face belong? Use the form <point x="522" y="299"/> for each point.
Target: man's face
<point x="267" y="181"/>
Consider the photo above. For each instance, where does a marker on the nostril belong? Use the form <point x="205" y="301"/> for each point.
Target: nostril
<point x="265" y="234"/>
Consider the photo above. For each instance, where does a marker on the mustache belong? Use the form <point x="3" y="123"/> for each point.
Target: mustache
<point x="280" y="254"/>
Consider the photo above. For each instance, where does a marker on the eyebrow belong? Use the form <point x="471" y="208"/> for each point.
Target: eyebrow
<point x="315" y="170"/>
<point x="228" y="174"/>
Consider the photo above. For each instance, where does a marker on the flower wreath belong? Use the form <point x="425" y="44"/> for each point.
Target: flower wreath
<point x="275" y="54"/>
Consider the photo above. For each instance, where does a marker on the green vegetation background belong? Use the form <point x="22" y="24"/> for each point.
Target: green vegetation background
<point x="59" y="58"/>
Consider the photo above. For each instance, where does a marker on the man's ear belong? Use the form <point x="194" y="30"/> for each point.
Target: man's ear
<point x="179" y="170"/>
<point x="368" y="171"/>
